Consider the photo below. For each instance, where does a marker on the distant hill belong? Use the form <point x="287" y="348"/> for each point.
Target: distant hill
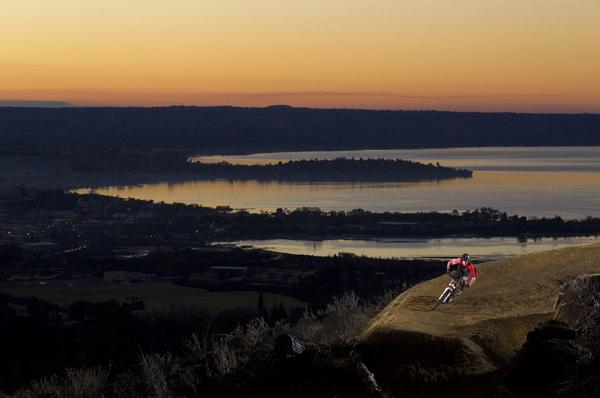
<point x="34" y="104"/>
<point x="481" y="330"/>
<point x="281" y="128"/>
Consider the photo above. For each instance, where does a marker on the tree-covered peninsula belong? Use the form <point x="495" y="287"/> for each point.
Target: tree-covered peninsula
<point x="333" y="170"/>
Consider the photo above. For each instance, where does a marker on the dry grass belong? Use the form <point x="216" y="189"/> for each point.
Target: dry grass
<point x="77" y="383"/>
<point x="156" y="368"/>
<point x="221" y="355"/>
<point x="211" y="355"/>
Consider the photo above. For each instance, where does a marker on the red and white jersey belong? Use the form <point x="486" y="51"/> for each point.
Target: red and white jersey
<point x="459" y="262"/>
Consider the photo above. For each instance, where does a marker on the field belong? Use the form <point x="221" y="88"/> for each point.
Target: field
<point x="160" y="295"/>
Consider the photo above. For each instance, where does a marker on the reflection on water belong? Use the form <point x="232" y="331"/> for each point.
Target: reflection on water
<point x="571" y="195"/>
<point x="410" y="248"/>
<point x="508" y="179"/>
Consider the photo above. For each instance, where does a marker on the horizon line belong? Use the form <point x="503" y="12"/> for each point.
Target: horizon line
<point x="60" y="104"/>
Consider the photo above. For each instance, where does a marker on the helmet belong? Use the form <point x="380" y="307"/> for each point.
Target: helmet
<point x="466" y="258"/>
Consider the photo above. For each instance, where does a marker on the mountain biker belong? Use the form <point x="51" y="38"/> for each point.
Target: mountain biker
<point x="461" y="269"/>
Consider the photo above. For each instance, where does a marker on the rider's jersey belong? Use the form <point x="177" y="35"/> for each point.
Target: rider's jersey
<point x="459" y="262"/>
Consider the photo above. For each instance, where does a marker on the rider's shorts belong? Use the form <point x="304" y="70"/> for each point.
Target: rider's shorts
<point x="459" y="272"/>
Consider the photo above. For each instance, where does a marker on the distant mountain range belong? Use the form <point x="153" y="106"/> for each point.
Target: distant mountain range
<point x="205" y="130"/>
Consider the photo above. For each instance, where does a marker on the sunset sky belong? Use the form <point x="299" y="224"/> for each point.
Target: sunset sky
<point x="501" y="55"/>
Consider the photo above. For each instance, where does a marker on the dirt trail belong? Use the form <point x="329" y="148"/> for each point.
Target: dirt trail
<point x="484" y="327"/>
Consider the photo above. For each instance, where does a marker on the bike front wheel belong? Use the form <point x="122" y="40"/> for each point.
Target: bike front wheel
<point x="444" y="297"/>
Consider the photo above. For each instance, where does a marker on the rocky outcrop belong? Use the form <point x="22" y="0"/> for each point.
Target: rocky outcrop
<point x="578" y="305"/>
<point x="549" y="359"/>
<point x="561" y="358"/>
<point x="577" y="300"/>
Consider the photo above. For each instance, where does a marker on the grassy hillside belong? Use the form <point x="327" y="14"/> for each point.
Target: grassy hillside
<point x="481" y="330"/>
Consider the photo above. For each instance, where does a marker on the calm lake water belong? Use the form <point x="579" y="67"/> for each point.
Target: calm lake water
<point x="479" y="248"/>
<point x="543" y="181"/>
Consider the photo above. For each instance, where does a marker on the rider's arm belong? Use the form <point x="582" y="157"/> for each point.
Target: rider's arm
<point x="454" y="261"/>
<point x="472" y="273"/>
<point x="471" y="268"/>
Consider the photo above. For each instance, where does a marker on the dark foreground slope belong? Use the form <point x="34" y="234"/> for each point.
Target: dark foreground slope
<point x="408" y="344"/>
<point x="243" y="130"/>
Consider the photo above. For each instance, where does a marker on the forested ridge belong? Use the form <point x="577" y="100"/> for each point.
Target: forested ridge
<point x="245" y="130"/>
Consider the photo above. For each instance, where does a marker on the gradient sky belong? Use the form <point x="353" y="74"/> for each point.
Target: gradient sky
<point x="505" y="55"/>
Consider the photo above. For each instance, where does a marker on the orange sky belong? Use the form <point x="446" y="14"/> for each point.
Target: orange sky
<point x="521" y="55"/>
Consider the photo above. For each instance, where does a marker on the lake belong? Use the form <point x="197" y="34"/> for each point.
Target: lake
<point x="479" y="248"/>
<point x="539" y="181"/>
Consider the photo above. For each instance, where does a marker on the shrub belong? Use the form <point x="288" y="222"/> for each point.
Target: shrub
<point x="77" y="383"/>
<point x="342" y="319"/>
<point x="221" y="355"/>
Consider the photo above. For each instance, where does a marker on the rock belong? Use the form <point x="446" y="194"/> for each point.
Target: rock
<point x="557" y="359"/>
<point x="578" y="305"/>
<point x="577" y="300"/>
<point x="288" y="345"/>
<point x="366" y="377"/>
<point x="550" y="357"/>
